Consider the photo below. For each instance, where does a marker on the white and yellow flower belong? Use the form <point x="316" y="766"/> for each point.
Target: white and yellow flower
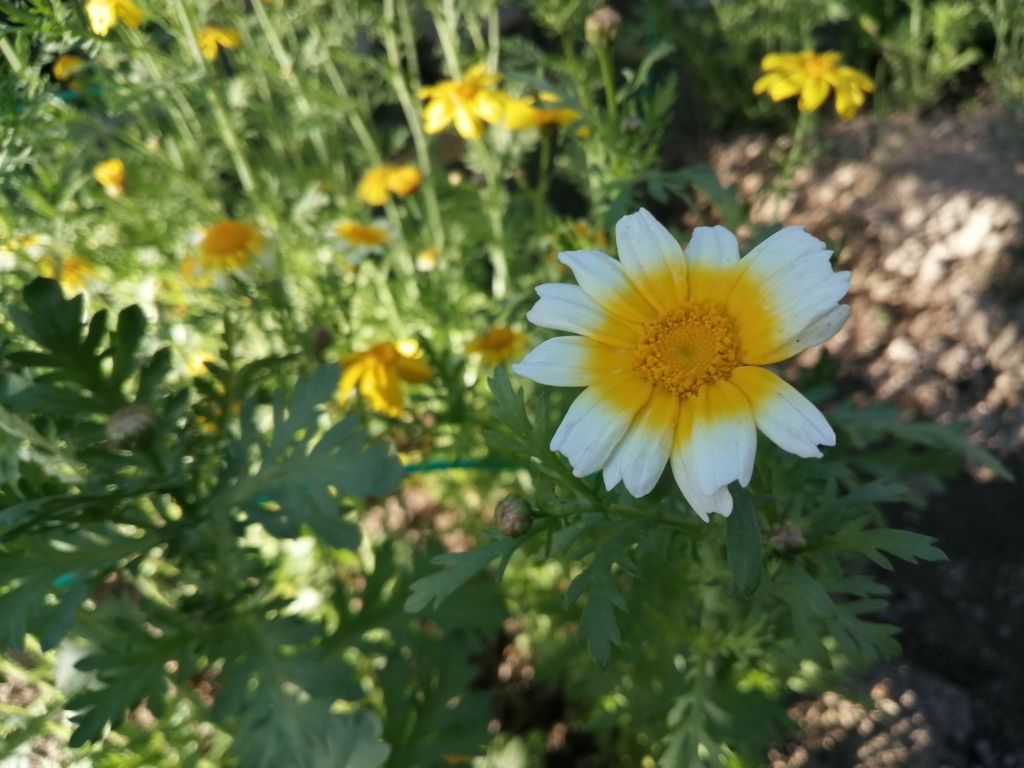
<point x="671" y="348"/>
<point x="356" y="240"/>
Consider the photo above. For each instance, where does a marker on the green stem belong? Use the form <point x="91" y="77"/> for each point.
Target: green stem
<point x="286" y="65"/>
<point x="412" y="117"/>
<point x="604" y="57"/>
<point x="230" y="139"/>
<point x="11" y="55"/>
<point x="446" y="24"/>
<point x="543" y="177"/>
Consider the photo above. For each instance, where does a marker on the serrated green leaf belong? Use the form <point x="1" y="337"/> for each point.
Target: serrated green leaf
<point x="743" y="543"/>
<point x="462" y="567"/>
<point x="905" y="545"/>
<point x="509" y="406"/>
<point x="811" y="593"/>
<point x="598" y="625"/>
<point x="53" y="322"/>
<point x="131" y="327"/>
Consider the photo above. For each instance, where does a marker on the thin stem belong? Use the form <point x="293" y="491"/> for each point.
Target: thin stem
<point x="11" y="55"/>
<point x="604" y="57"/>
<point x="287" y="67"/>
<point x="543" y="177"/>
<point x="446" y="25"/>
<point x="412" y="117"/>
<point x="230" y="139"/>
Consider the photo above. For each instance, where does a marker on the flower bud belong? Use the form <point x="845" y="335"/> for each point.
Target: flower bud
<point x="132" y="426"/>
<point x="514" y="516"/>
<point x="602" y="26"/>
<point x="787" y="539"/>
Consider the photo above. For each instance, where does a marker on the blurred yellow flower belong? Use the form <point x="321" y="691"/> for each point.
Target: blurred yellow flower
<point x="378" y="372"/>
<point x="380" y="182"/>
<point x="357" y="241"/>
<point x="209" y="38"/>
<point x="812" y="76"/>
<point x="498" y="345"/>
<point x="227" y="245"/>
<point x="110" y="173"/>
<point x="66" y="66"/>
<point x="468" y="103"/>
<point x="521" y="113"/>
<point x="426" y="259"/>
<point x="72" y="272"/>
<point x="104" y="14"/>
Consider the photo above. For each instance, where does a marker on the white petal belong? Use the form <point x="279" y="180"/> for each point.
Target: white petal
<point x="605" y="281"/>
<point x="782" y="248"/>
<point x="785" y="416"/>
<point x="822" y="328"/>
<point x="573" y="361"/>
<point x="682" y="461"/>
<point x="712" y="247"/>
<point x="597" y="420"/>
<point x="724" y="438"/>
<point x="652" y="258"/>
<point x="640" y="457"/>
<point x="567" y="308"/>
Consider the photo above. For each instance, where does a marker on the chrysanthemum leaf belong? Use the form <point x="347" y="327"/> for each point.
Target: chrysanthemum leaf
<point x="460" y="568"/>
<point x="906" y="545"/>
<point x="743" y="543"/>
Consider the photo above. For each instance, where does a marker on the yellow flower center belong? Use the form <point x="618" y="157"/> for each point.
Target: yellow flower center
<point x="693" y="345"/>
<point x="361" y="234"/>
<point x="818" y="67"/>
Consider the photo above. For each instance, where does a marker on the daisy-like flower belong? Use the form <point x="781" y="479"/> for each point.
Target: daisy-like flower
<point x="357" y="241"/>
<point x="524" y="113"/>
<point x="498" y="345"/>
<point x="468" y="103"/>
<point x="813" y="76"/>
<point x="66" y="66"/>
<point x="110" y="173"/>
<point x="210" y="38"/>
<point x="426" y="259"/>
<point x="228" y="245"/>
<point x="104" y="14"/>
<point x="380" y="182"/>
<point x="379" y="371"/>
<point x="671" y="349"/>
<point x="73" y="272"/>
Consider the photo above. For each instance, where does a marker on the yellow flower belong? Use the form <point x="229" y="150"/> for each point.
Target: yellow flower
<point x="426" y="259"/>
<point x="73" y="272"/>
<point x="671" y="349"/>
<point x="211" y="37"/>
<point x="813" y="76"/>
<point x="378" y="372"/>
<point x="380" y="182"/>
<point x="110" y="173"/>
<point x="357" y="241"/>
<point x="468" y="103"/>
<point x="498" y="345"/>
<point x="104" y="14"/>
<point x="66" y="66"/>
<point x="521" y="113"/>
<point x="227" y="245"/>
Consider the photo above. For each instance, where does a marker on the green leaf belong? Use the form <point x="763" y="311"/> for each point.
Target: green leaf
<point x="598" y="625"/>
<point x="462" y="566"/>
<point x="743" y="543"/>
<point x="905" y="545"/>
<point x="811" y="593"/>
<point x="301" y="480"/>
<point x="53" y="322"/>
<point x="509" y="406"/>
<point x="131" y="327"/>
